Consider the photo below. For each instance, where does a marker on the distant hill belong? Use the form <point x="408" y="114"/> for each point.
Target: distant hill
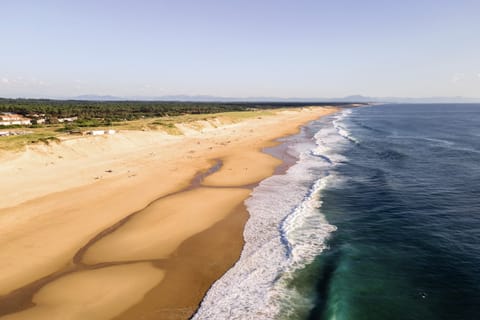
<point x="208" y="98"/>
<point x="93" y="97"/>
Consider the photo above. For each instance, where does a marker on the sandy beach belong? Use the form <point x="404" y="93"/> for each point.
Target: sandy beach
<point x="136" y="225"/>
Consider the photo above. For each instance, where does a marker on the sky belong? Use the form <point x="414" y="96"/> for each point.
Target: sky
<point x="248" y="48"/>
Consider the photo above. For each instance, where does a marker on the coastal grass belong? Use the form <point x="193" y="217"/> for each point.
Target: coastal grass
<point x="168" y="124"/>
<point x="18" y="142"/>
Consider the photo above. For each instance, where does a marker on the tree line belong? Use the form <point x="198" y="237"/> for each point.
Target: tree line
<point x="109" y="111"/>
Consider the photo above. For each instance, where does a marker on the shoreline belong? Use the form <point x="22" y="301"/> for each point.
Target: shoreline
<point x="230" y="180"/>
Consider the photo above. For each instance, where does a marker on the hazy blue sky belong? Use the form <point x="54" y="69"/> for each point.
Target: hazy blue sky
<point x="240" y="48"/>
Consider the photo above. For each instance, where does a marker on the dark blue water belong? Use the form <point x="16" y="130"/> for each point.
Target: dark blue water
<point x="408" y="217"/>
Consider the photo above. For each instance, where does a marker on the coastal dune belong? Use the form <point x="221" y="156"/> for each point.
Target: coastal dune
<point x="144" y="221"/>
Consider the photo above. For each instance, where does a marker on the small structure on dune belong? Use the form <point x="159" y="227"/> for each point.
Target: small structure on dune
<point x="96" y="132"/>
<point x="101" y="132"/>
<point x="70" y="119"/>
<point x="10" y="119"/>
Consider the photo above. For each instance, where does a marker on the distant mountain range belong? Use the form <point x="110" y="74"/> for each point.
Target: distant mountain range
<point x="207" y="98"/>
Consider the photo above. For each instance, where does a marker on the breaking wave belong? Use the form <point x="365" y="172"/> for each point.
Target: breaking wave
<point x="285" y="232"/>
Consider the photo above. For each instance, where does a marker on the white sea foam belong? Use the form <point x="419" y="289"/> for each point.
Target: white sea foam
<point x="341" y="129"/>
<point x="328" y="141"/>
<point x="305" y="229"/>
<point x="285" y="231"/>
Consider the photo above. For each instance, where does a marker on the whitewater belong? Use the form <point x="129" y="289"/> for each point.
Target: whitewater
<point x="285" y="231"/>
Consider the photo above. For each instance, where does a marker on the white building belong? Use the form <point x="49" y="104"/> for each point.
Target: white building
<point x="10" y="119"/>
<point x="101" y="132"/>
<point x="71" y="119"/>
<point x="97" y="132"/>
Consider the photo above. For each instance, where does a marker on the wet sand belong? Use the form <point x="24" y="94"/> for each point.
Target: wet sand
<point x="162" y="235"/>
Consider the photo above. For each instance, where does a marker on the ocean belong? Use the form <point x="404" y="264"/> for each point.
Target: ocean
<point x="379" y="218"/>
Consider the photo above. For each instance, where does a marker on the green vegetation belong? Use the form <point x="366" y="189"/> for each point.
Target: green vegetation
<point x="50" y="133"/>
<point x="122" y="115"/>
<point x="98" y="113"/>
<point x="18" y="142"/>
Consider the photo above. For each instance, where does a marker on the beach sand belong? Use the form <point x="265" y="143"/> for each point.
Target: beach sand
<point x="131" y="226"/>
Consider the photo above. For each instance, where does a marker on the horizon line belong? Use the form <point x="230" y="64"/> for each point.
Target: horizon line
<point x="212" y="98"/>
